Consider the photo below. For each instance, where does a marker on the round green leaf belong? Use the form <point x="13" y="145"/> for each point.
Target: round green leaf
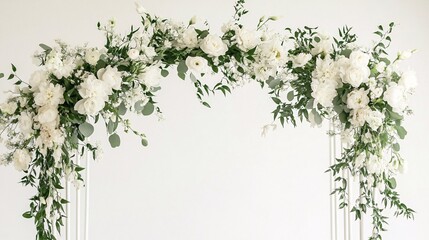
<point x="114" y="140"/>
<point x="86" y="129"/>
<point x="144" y="142"/>
<point x="148" y="109"/>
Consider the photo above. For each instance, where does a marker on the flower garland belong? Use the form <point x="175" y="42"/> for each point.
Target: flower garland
<point x="311" y="77"/>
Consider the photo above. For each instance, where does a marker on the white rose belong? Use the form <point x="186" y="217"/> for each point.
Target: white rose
<point x="246" y="39"/>
<point x="8" y="107"/>
<point x="92" y="56"/>
<point x="396" y="97"/>
<point x="90" y="106"/>
<point x="408" y="80"/>
<point x="213" y="46"/>
<point x="359" y="58"/>
<point x="357" y="99"/>
<point x="21" y="159"/>
<point x="49" y="94"/>
<point x="25" y="123"/>
<point x="151" y="76"/>
<point x="111" y="77"/>
<point x="374" y="119"/>
<point x="189" y="38"/>
<point x="37" y="78"/>
<point x="301" y="60"/>
<point x="133" y="53"/>
<point x="356" y="75"/>
<point x="47" y="114"/>
<point x="197" y="65"/>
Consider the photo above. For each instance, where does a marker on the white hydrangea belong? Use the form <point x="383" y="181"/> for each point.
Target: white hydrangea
<point x="37" y="78"/>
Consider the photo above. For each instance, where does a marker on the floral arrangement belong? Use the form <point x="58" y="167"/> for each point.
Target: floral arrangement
<point x="48" y="119"/>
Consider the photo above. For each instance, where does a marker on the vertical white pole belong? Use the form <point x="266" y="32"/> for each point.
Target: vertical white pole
<point x="87" y="159"/>
<point x="361" y="222"/>
<point x="349" y="190"/>
<point x="78" y="202"/>
<point x="68" y="212"/>
<point x="333" y="197"/>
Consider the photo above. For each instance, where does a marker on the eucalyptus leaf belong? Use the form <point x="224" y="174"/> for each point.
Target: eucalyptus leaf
<point x="139" y="105"/>
<point x="148" y="109"/>
<point x="290" y="96"/>
<point x="182" y="68"/>
<point x="1" y="75"/>
<point x="317" y="118"/>
<point x="112" y="126"/>
<point x="114" y="140"/>
<point x="86" y="129"/>
<point x="122" y="109"/>
<point x="164" y="73"/>
<point x="144" y="142"/>
<point x="401" y="131"/>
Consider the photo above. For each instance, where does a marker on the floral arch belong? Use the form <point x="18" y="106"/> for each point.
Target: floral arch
<point x="310" y="76"/>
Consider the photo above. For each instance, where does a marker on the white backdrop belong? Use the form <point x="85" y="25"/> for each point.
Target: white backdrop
<point x="207" y="174"/>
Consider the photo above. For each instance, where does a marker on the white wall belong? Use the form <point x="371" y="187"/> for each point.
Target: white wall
<point x="208" y="174"/>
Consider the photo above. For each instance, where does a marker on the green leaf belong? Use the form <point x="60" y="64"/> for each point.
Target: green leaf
<point x="11" y="76"/>
<point x="206" y="104"/>
<point x="181" y="67"/>
<point x="276" y="100"/>
<point x="144" y="142"/>
<point x="164" y="73"/>
<point x="392" y="183"/>
<point x="290" y="96"/>
<point x="122" y="109"/>
<point x="86" y="129"/>
<point x="343" y="117"/>
<point x="27" y="215"/>
<point x="112" y="126"/>
<point x="317" y="118"/>
<point x="1" y="75"/>
<point x="45" y="47"/>
<point x="346" y="52"/>
<point x="193" y="78"/>
<point x="310" y="104"/>
<point x="148" y="109"/>
<point x="13" y="68"/>
<point x="396" y="147"/>
<point x="401" y="131"/>
<point x="139" y="105"/>
<point x="273" y="83"/>
<point x="114" y="140"/>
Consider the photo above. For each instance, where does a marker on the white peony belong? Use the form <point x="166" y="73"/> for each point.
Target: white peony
<point x="355" y="75"/>
<point x="396" y="96"/>
<point x="213" y="46"/>
<point x="25" y="123"/>
<point x="8" y="107"/>
<point x="325" y="82"/>
<point x="93" y="87"/>
<point x="49" y="138"/>
<point x="151" y="76"/>
<point x="357" y="99"/>
<point x="408" y="80"/>
<point x="301" y="60"/>
<point x="37" y="78"/>
<point x="359" y="116"/>
<point x="49" y="94"/>
<point x="197" y="64"/>
<point x="47" y="114"/>
<point x="92" y="56"/>
<point x="374" y="119"/>
<point x="246" y="39"/>
<point x="111" y="77"/>
<point x="133" y="53"/>
<point x="21" y="159"/>
<point x="189" y="38"/>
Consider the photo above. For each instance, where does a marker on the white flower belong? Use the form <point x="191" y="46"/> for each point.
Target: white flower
<point x="197" y="64"/>
<point x="49" y="137"/>
<point x="357" y="99"/>
<point x="8" y="107"/>
<point x="246" y="39"/>
<point x="374" y="119"/>
<point x="405" y="54"/>
<point x="273" y="52"/>
<point x="25" y="123"/>
<point x="47" y="114"/>
<point x="360" y="160"/>
<point x="380" y="67"/>
<point x="37" y="78"/>
<point x="21" y="159"/>
<point x="111" y="77"/>
<point x="230" y="25"/>
<point x="263" y="72"/>
<point x="375" y="165"/>
<point x="355" y="75"/>
<point x="189" y="38"/>
<point x="376" y="92"/>
<point x="49" y="94"/>
<point x="324" y="93"/>
<point x="301" y="60"/>
<point x="323" y="46"/>
<point x="139" y="8"/>
<point x="359" y="116"/>
<point x="367" y="137"/>
<point x="151" y="76"/>
<point x="359" y="58"/>
<point x="90" y="106"/>
<point x="348" y="138"/>
<point x="213" y="46"/>
<point x="93" y="87"/>
<point x="325" y="82"/>
<point x="396" y="97"/>
<point x="92" y="56"/>
<point x="408" y="80"/>
<point x="133" y="53"/>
